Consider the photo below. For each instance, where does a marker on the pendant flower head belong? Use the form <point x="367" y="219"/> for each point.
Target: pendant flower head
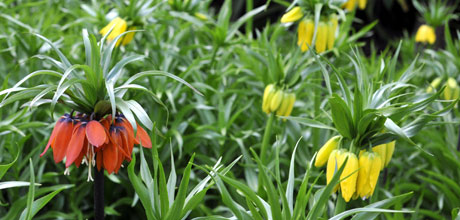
<point x="325" y="151"/>
<point x="425" y="34"/>
<point x="278" y="100"/>
<point x="293" y="15"/>
<point x="104" y="143"/>
<point x="119" y="26"/>
<point x="369" y="169"/>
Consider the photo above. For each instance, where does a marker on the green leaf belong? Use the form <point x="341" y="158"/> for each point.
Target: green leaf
<point x="341" y="116"/>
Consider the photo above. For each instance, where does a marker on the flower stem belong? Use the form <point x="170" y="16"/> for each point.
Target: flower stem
<point x="458" y="142"/>
<point x="266" y="138"/>
<point x="99" y="194"/>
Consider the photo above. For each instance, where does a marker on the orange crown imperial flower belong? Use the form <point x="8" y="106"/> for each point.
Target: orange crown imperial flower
<point x="104" y="143"/>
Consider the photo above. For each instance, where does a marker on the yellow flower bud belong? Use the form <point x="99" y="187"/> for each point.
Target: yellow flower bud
<point x="305" y="34"/>
<point x="119" y="26"/>
<point x="331" y="35"/>
<point x="434" y="85"/>
<point x="268" y="93"/>
<point x="321" y="37"/>
<point x="275" y="101"/>
<point x="291" y="99"/>
<point x="129" y="36"/>
<point x="201" y="16"/>
<point x="284" y="105"/>
<point x="293" y="15"/>
<point x="325" y="151"/>
<point x="348" y="185"/>
<point x="349" y="5"/>
<point x="451" y="92"/>
<point x="425" y="34"/>
<point x="334" y="162"/>
<point x="389" y="152"/>
<point x="362" y="4"/>
<point x="382" y="151"/>
<point x="369" y="170"/>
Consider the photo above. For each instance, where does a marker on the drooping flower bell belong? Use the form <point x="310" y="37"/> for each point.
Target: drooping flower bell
<point x="349" y="175"/>
<point x="325" y="35"/>
<point x="350" y="5"/>
<point x="425" y="34"/>
<point x="104" y="143"/>
<point x="119" y="26"/>
<point x="293" y="15"/>
<point x="277" y="100"/>
<point x="369" y="169"/>
<point x="325" y="151"/>
<point x="386" y="152"/>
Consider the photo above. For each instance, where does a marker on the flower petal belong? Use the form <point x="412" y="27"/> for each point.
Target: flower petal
<point x="110" y="157"/>
<point x="143" y="137"/>
<point x="62" y="141"/>
<point x="52" y="137"/>
<point x="76" y="144"/>
<point x="95" y="133"/>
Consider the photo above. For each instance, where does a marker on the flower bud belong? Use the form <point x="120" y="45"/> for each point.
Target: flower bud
<point x="434" y="85"/>
<point x="321" y="37"/>
<point x="451" y="92"/>
<point x="275" y="101"/>
<point x="425" y="34"/>
<point x="369" y="170"/>
<point x="349" y="176"/>
<point x="325" y="151"/>
<point x="390" y="148"/>
<point x="268" y="94"/>
<point x="382" y="151"/>
<point x="291" y="99"/>
<point x="293" y="15"/>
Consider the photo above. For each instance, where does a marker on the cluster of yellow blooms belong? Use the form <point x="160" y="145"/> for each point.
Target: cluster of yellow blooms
<point x="351" y="4"/>
<point x="277" y="100"/>
<point x="451" y="92"/>
<point x="425" y="34"/>
<point x="119" y="26"/>
<point x="325" y="30"/>
<point x="361" y="173"/>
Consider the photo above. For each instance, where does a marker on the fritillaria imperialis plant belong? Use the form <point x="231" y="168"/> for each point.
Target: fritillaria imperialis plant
<point x="102" y="127"/>
<point x="369" y="117"/>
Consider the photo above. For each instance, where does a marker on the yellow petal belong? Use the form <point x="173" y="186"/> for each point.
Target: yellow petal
<point x="321" y="38"/>
<point x="301" y="33"/>
<point x="348" y="185"/>
<point x="362" y="4"/>
<point x="331" y="36"/>
<point x="284" y="105"/>
<point x="430" y="35"/>
<point x="325" y="151"/>
<point x="349" y="5"/>
<point x="275" y="102"/>
<point x="450" y="92"/>
<point x="291" y="98"/>
<point x="129" y="36"/>
<point x="309" y="31"/>
<point x="293" y="15"/>
<point x="381" y="150"/>
<point x="434" y="84"/>
<point x="420" y="35"/>
<point x="389" y="152"/>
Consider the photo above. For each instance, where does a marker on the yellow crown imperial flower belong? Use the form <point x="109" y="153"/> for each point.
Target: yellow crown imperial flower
<point x="452" y="91"/>
<point x="129" y="36"/>
<point x="275" y="101"/>
<point x="268" y="94"/>
<point x="350" y="5"/>
<point x="293" y="15"/>
<point x="350" y="172"/>
<point x="305" y="34"/>
<point x="321" y="37"/>
<point x="325" y="151"/>
<point x="334" y="162"/>
<point x="286" y="105"/>
<point x="119" y="26"/>
<point x="425" y="34"/>
<point x="382" y="151"/>
<point x="369" y="169"/>
<point x="434" y="85"/>
<point x="390" y="148"/>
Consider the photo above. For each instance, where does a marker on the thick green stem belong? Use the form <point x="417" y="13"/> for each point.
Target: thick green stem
<point x="249" y="7"/>
<point x="266" y="139"/>
<point x="340" y="205"/>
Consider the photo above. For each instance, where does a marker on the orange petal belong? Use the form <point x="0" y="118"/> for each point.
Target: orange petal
<point x="143" y="137"/>
<point x="52" y="137"/>
<point x="110" y="157"/>
<point x="82" y="153"/>
<point x="76" y="144"/>
<point x="95" y="133"/>
<point x="63" y="137"/>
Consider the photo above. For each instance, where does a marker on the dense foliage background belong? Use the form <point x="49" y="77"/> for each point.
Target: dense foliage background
<point x="228" y="52"/>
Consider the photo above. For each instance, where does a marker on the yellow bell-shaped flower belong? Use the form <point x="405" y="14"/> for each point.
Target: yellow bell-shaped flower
<point x="334" y="162"/>
<point x="321" y="37"/>
<point x="293" y="15"/>
<point x="382" y="151"/>
<point x="305" y="34"/>
<point x="362" y="4"/>
<point x="434" y="85"/>
<point x="119" y="26"/>
<point x="425" y="34"/>
<point x="369" y="170"/>
<point x="129" y="36"/>
<point x="349" y="5"/>
<point x="390" y="148"/>
<point x="287" y="105"/>
<point x="325" y="151"/>
<point x="268" y="94"/>
<point x="452" y="91"/>
<point x="350" y="172"/>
